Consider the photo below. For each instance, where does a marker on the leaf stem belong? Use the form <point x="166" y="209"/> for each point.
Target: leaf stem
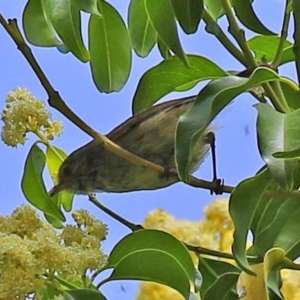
<point x="238" y="34"/>
<point x="213" y="28"/>
<point x="283" y="35"/>
<point x="296" y="36"/>
<point x="134" y="227"/>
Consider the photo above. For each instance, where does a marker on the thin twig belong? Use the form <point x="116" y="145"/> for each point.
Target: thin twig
<point x="134" y="227"/>
<point x="57" y="102"/>
<point x="213" y="28"/>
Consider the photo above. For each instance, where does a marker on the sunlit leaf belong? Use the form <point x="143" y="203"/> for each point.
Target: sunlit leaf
<point x="210" y="101"/>
<point x="291" y="93"/>
<point x="214" y="8"/>
<point x="142" y="33"/>
<point x="33" y="185"/>
<point x="54" y="157"/>
<point x="161" y="15"/>
<point x="173" y="75"/>
<point x="65" y="18"/>
<point x="279" y="132"/>
<point x="188" y="14"/>
<point x="37" y="27"/>
<point x="247" y="16"/>
<point x="110" y="49"/>
<point x="265" y="48"/>
<point x="253" y="286"/>
<point x="153" y="255"/>
<point x="256" y="287"/>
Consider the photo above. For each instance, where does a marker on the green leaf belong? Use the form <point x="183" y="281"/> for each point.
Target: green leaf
<point x="211" y="269"/>
<point x="33" y="185"/>
<point x="188" y="14"/>
<point x="242" y="208"/>
<point x="142" y="33"/>
<point x="290" y="90"/>
<point x="289" y="236"/>
<point x="64" y="15"/>
<point x="214" y="8"/>
<point x="110" y="49"/>
<point x="295" y="153"/>
<point x="222" y="288"/>
<point x="257" y="286"/>
<point x="85" y="294"/>
<point x="173" y="75"/>
<point x="265" y="48"/>
<point x="247" y="16"/>
<point x="279" y="132"/>
<point x="210" y="101"/>
<point x="89" y="6"/>
<point x="161" y="15"/>
<point x="37" y="27"/>
<point x="54" y="157"/>
<point x="154" y="256"/>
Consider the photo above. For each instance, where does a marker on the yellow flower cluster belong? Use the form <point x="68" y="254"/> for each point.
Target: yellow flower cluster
<point x="215" y="231"/>
<point x="32" y="253"/>
<point x="24" y="113"/>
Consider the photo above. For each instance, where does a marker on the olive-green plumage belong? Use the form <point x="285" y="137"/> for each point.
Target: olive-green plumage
<point x="150" y="135"/>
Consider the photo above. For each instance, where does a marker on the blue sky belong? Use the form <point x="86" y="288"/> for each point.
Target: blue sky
<point x="237" y="152"/>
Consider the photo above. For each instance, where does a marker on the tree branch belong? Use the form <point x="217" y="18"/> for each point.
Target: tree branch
<point x="58" y="103"/>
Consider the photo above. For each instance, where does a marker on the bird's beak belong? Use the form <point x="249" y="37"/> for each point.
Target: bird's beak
<point x="55" y="190"/>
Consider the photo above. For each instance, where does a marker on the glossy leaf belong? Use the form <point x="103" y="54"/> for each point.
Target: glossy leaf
<point x="89" y="6"/>
<point x="272" y="213"/>
<point x="210" y="101"/>
<point x="188" y="14"/>
<point x="37" y="27"/>
<point x="154" y="256"/>
<point x="211" y="269"/>
<point x="242" y="207"/>
<point x="256" y="287"/>
<point x="86" y="294"/>
<point x="64" y="15"/>
<point x="172" y="75"/>
<point x="33" y="185"/>
<point x="110" y="49"/>
<point x="161" y="15"/>
<point x="221" y="289"/>
<point x="142" y="33"/>
<point x="247" y="16"/>
<point x="253" y="286"/>
<point x="54" y="157"/>
<point x="291" y="93"/>
<point x="265" y="48"/>
<point x="289" y="235"/>
<point x="279" y="132"/>
<point x="214" y="8"/>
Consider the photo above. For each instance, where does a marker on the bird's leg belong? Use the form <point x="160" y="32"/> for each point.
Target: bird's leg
<point x="211" y="140"/>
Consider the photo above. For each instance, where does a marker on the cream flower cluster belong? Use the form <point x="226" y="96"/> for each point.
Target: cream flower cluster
<point x="215" y="232"/>
<point x="33" y="253"/>
<point x="24" y="113"/>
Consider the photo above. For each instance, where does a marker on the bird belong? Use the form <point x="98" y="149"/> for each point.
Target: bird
<point x="150" y="135"/>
